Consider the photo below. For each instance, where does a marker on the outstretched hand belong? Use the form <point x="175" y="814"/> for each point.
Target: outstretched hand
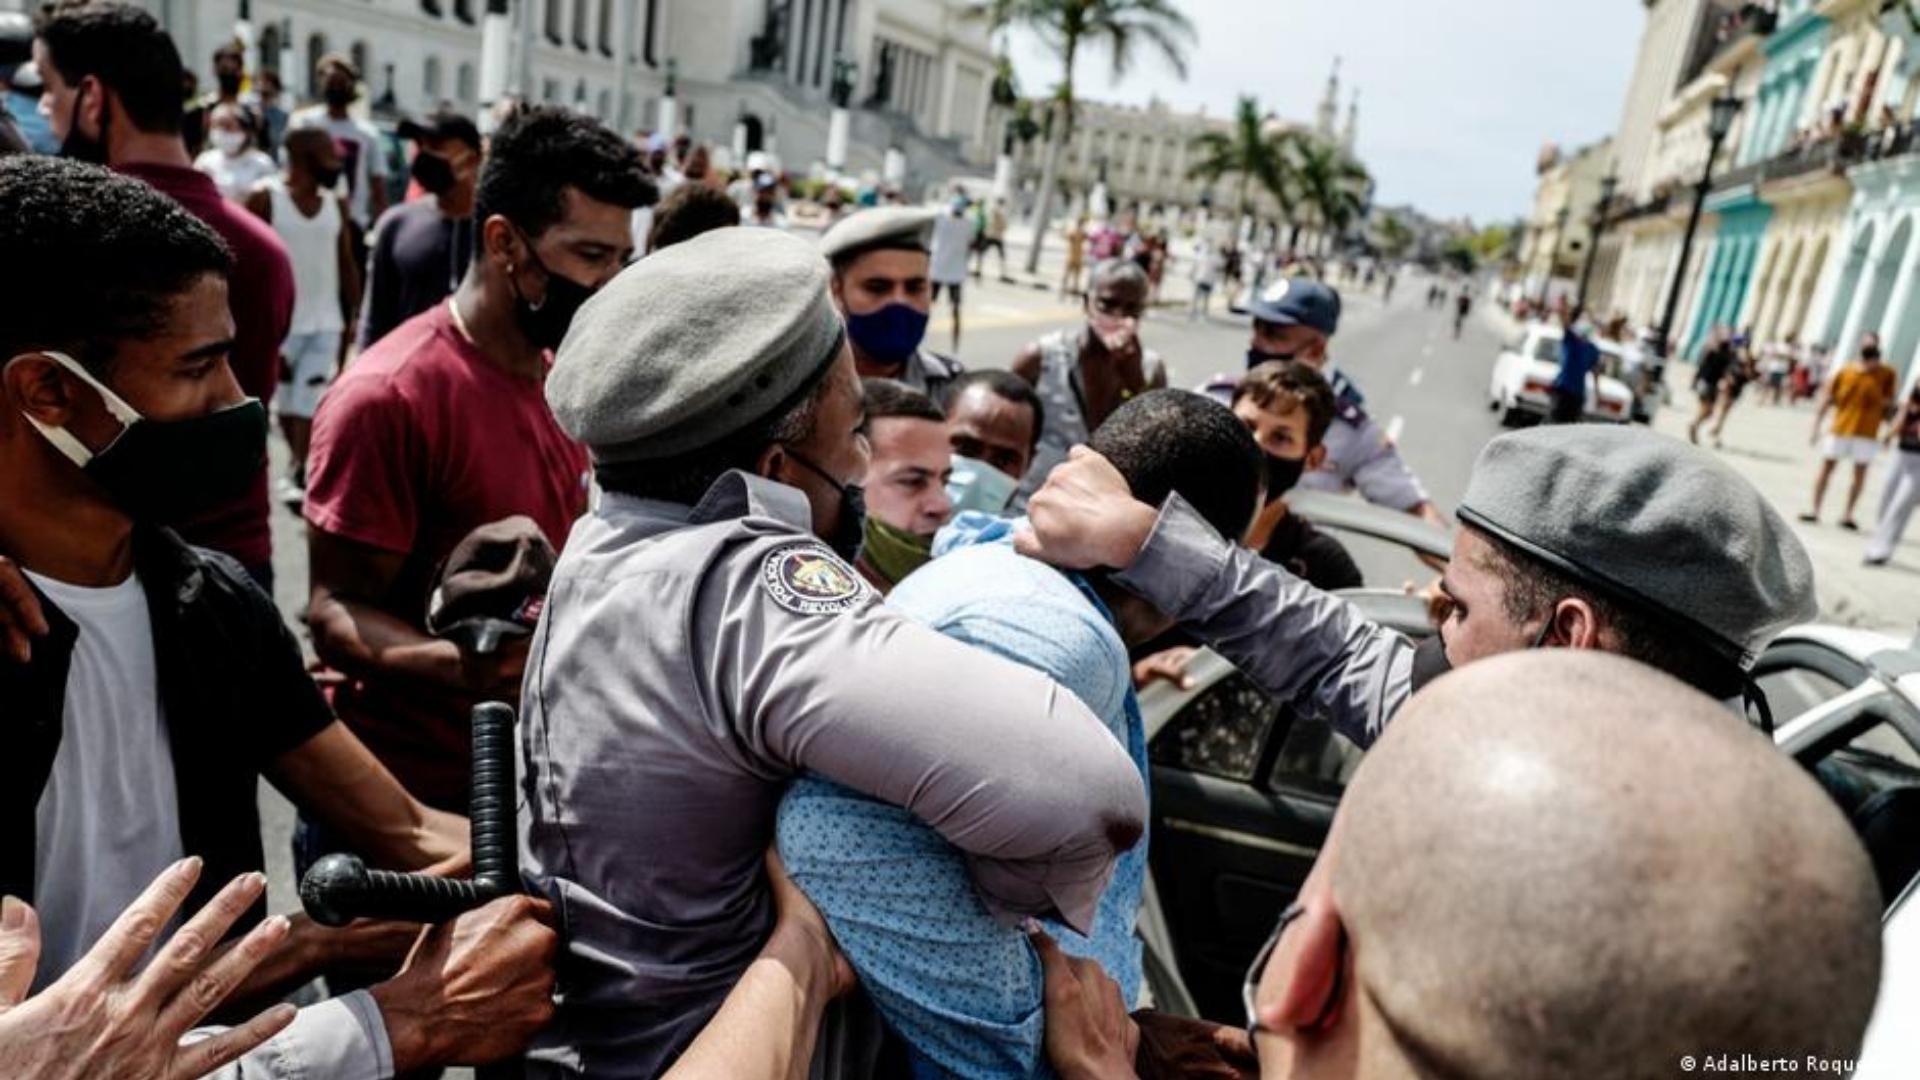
<point x="102" y="1018"/>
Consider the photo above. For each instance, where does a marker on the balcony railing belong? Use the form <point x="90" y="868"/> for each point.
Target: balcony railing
<point x="1830" y="154"/>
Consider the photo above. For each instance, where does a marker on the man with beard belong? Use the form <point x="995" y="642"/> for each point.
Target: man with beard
<point x="880" y="264"/>
<point x="421" y="248"/>
<point x="1083" y="374"/>
<point x="443" y="427"/>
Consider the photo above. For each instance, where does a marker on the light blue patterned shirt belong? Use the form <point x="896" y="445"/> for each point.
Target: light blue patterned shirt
<point x="962" y="989"/>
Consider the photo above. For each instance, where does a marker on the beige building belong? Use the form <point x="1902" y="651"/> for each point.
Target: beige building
<point x="1560" y="228"/>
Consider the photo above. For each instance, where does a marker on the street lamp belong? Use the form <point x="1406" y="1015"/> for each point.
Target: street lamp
<point x="1720" y="115"/>
<point x="1608" y="184"/>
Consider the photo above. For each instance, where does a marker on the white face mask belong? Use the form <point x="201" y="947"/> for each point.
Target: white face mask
<point x="227" y="142"/>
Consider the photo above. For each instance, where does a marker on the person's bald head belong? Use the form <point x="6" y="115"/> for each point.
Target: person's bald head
<point x="1565" y="864"/>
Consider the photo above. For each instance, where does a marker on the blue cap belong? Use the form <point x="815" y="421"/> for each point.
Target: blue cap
<point x="1298" y="301"/>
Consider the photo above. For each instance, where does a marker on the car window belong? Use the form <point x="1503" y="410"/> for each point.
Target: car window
<point x="1794" y="690"/>
<point x="1313" y="758"/>
<point x="1221" y="732"/>
<point x="1547" y="348"/>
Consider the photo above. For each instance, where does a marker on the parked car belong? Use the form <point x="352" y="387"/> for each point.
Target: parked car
<point x="1522" y="379"/>
<point x="1245" y="789"/>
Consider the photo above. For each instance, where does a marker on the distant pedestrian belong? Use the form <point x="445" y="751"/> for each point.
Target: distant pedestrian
<point x="1462" y="305"/>
<point x="692" y="209"/>
<point x="1076" y="257"/>
<point x="1903" y="489"/>
<point x="1206" y="272"/>
<point x="993" y="237"/>
<point x="952" y="239"/>
<point x="1776" y="366"/>
<point x="1715" y="363"/>
<point x="1579" y="357"/>
<point x="361" y="157"/>
<point x="421" y="247"/>
<point x="311" y="220"/>
<point x="1743" y="372"/>
<point x="273" y="115"/>
<point x="765" y="213"/>
<point x="231" y="157"/>
<point x="1860" y="395"/>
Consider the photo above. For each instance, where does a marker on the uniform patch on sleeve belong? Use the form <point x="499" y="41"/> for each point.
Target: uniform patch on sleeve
<point x="807" y="579"/>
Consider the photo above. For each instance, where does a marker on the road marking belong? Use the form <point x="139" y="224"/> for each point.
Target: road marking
<point x="1393" y="428"/>
<point x="1418" y="374"/>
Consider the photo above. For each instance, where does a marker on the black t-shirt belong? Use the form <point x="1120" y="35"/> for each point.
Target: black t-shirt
<point x="419" y="254"/>
<point x="1714" y="365"/>
<point x="1311" y="555"/>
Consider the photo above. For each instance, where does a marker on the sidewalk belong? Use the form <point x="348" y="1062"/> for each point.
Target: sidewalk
<point x="1771" y="447"/>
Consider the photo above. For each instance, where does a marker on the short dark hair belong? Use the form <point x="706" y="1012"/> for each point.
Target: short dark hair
<point x="684" y="479"/>
<point x="123" y="47"/>
<point x="1174" y="440"/>
<point x="1532" y="587"/>
<point x="540" y="151"/>
<point x="890" y="399"/>
<point x="688" y="211"/>
<point x="1002" y="384"/>
<point x="1284" y="385"/>
<point x="97" y="259"/>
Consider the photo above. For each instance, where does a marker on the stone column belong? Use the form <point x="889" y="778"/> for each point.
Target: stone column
<point x="1862" y="290"/>
<point x="1899" y="324"/>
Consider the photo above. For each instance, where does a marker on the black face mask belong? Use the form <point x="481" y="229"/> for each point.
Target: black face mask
<point x="1870" y="353"/>
<point x="338" y="97"/>
<point x="1430" y="657"/>
<point x="545" y="323"/>
<point x="1256" y="357"/>
<point x="92" y="150"/>
<point x="325" y="178"/>
<point x="434" y="172"/>
<point x="850" y="530"/>
<point x="229" y="85"/>
<point x="1283" y="474"/>
<point x="165" y="471"/>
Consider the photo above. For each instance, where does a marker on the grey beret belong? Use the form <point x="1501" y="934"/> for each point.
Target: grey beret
<point x="1650" y="520"/>
<point x="694" y="343"/>
<point x="891" y="226"/>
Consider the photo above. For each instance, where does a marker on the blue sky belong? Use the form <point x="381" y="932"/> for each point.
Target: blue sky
<point x="1456" y="98"/>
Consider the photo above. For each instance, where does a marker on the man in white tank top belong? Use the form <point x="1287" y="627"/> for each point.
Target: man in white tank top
<point x="312" y="221"/>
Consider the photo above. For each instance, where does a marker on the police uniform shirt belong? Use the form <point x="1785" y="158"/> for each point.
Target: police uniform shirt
<point x="692" y="660"/>
<point x="931" y="373"/>
<point x="1360" y="456"/>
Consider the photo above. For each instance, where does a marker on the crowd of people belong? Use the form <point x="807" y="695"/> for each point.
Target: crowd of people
<point x="825" y="647"/>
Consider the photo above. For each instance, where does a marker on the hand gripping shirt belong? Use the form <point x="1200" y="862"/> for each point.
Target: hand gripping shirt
<point x="690" y="662"/>
<point x="963" y="989"/>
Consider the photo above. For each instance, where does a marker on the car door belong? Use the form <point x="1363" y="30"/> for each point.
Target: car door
<point x="1244" y="791"/>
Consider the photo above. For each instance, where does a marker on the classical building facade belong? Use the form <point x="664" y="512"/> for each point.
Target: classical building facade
<point x="1560" y="228"/>
<point x="748" y="74"/>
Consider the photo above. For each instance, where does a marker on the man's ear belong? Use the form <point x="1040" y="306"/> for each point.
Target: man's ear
<point x="502" y="241"/>
<point x="1294" y="997"/>
<point x="1575" y="625"/>
<point x="772" y="462"/>
<point x="34" y="386"/>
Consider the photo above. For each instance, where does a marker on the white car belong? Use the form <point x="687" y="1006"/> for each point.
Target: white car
<point x="1522" y="381"/>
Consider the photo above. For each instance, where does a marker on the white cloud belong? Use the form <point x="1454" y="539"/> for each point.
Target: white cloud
<point x="1456" y="98"/>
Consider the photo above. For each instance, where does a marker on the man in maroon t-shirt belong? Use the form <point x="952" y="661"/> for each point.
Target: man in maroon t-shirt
<point x="139" y="135"/>
<point x="442" y="426"/>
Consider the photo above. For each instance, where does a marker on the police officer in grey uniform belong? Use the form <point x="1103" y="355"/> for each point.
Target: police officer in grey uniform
<point x="1293" y="319"/>
<point x="705" y="639"/>
<point x="1582" y="536"/>
<point x="880" y="260"/>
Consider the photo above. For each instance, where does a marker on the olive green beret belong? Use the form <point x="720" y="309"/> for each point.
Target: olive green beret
<point x="883" y="226"/>
<point x="694" y="343"/>
<point x="1651" y="521"/>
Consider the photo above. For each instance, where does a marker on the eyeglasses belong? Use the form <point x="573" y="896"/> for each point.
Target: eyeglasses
<point x="1258" y="970"/>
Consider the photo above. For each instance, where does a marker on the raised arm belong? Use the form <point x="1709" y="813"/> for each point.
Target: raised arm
<point x="1005" y="764"/>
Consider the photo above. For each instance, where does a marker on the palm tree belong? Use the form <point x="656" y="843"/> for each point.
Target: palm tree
<point x="1330" y="183"/>
<point x="1255" y="151"/>
<point x="1070" y="26"/>
<point x="1393" y="236"/>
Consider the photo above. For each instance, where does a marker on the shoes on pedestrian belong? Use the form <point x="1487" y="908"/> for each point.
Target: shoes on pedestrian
<point x="1871" y="561"/>
<point x="292" y="496"/>
<point x="1850" y="525"/>
<point x="1810" y="518"/>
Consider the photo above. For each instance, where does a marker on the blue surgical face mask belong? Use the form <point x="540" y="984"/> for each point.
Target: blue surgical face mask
<point x="889" y="335"/>
<point x="976" y="485"/>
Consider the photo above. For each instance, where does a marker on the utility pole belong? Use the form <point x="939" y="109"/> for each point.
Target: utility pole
<point x="1723" y="109"/>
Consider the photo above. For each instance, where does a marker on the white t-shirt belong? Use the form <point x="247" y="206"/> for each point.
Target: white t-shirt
<point x="362" y="159"/>
<point x="109" y="818"/>
<point x="236" y="176"/>
<point x="952" y="238"/>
